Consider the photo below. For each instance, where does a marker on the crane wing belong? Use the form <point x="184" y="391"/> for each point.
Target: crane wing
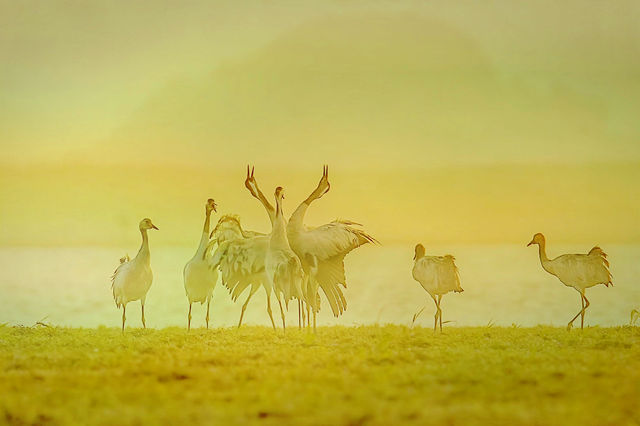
<point x="124" y="261"/>
<point x="325" y="248"/>
<point x="438" y="274"/>
<point x="583" y="270"/>
<point x="600" y="265"/>
<point x="450" y="273"/>
<point x="335" y="238"/>
<point x="329" y="275"/>
<point x="241" y="263"/>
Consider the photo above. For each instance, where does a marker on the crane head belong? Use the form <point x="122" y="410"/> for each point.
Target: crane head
<point x="250" y="182"/>
<point x="537" y="239"/>
<point x="147" y="224"/>
<point x="324" y="185"/>
<point x="211" y="205"/>
<point x="419" y="252"/>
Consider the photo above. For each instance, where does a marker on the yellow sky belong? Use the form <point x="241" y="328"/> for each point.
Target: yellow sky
<point x="458" y="122"/>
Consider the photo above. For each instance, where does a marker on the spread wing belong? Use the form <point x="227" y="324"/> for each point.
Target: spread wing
<point x="335" y="238"/>
<point x="329" y="275"/>
<point x="325" y="247"/>
<point x="288" y="276"/>
<point x="241" y="263"/>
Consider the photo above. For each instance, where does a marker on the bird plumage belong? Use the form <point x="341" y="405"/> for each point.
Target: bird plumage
<point x="132" y="278"/>
<point x="199" y="277"/>
<point x="283" y="267"/>
<point x="240" y="257"/>
<point x="321" y="250"/>
<point x="580" y="271"/>
<point x="438" y="275"/>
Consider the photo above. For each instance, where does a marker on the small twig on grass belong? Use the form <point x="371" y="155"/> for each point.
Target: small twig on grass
<point x="41" y="322"/>
<point x="416" y="315"/>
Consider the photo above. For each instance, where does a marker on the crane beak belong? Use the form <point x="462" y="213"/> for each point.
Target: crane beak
<point x="155" y="227"/>
<point x="530" y="242"/>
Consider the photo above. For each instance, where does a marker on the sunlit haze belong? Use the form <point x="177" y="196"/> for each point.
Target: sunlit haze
<point x="445" y="122"/>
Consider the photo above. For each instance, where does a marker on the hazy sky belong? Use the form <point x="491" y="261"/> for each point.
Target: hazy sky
<point x="465" y="121"/>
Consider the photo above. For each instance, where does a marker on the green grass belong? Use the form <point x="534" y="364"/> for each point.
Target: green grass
<point x="364" y="375"/>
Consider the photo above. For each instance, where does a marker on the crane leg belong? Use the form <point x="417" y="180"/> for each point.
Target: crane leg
<point x="435" y="324"/>
<point x="570" y="325"/>
<point x="207" y="317"/>
<point x="269" y="310"/>
<point x="314" y="321"/>
<point x="189" y="318"/>
<point x="308" y="316"/>
<point x="299" y="315"/>
<point x="282" y="314"/>
<point x="144" y="323"/>
<point x="440" y="311"/>
<point x="124" y="315"/>
<point x="586" y="305"/>
<point x="244" y="307"/>
<point x="582" y="312"/>
<point x="304" y="317"/>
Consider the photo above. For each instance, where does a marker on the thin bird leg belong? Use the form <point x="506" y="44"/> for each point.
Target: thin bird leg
<point x="124" y="316"/>
<point x="435" y="324"/>
<point x="269" y="310"/>
<point x="314" y="321"/>
<point x="440" y="311"/>
<point x="144" y="324"/>
<point x="299" y="315"/>
<point x="304" y="316"/>
<point x="308" y="315"/>
<point x="189" y="318"/>
<point x="281" y="313"/>
<point x="577" y="315"/>
<point x="586" y="304"/>
<point x="244" y="307"/>
<point x="207" y="317"/>
<point x="582" y="312"/>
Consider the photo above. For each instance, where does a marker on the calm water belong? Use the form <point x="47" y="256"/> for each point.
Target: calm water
<point x="503" y="285"/>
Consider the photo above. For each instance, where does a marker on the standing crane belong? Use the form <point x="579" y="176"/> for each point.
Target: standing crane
<point x="579" y="271"/>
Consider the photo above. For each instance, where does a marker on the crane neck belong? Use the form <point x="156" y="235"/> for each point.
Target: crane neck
<point x="144" y="248"/>
<point x="267" y="206"/>
<point x="297" y="218"/>
<point x="543" y="254"/>
<point x="204" y="239"/>
<point x="278" y="229"/>
<point x="296" y="221"/>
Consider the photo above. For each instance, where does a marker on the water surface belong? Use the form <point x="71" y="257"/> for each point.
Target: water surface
<point x="502" y="284"/>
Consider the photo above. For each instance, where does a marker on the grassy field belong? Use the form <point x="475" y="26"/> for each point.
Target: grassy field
<point x="363" y="375"/>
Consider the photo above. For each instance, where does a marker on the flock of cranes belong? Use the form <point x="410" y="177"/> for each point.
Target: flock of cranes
<point x="295" y="262"/>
